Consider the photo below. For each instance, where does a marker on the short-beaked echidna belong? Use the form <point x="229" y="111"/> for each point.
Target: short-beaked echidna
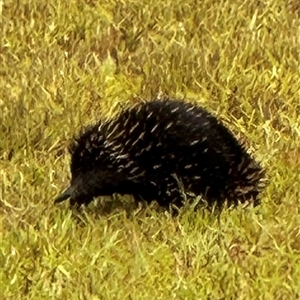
<point x="156" y="151"/>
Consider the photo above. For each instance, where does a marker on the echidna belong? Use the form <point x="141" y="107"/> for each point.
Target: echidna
<point x="157" y="151"/>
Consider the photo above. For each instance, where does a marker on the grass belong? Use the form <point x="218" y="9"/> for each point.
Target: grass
<point x="66" y="64"/>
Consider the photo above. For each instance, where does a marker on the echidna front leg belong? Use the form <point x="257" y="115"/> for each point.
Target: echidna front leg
<point x="165" y="192"/>
<point x="169" y="192"/>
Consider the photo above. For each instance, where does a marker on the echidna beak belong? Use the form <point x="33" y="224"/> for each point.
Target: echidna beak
<point x="64" y="195"/>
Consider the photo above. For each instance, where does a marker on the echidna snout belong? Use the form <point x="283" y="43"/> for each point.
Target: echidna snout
<point x="84" y="188"/>
<point x="65" y="195"/>
<point x="73" y="193"/>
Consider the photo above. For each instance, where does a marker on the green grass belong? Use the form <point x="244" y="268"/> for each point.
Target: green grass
<point x="64" y="64"/>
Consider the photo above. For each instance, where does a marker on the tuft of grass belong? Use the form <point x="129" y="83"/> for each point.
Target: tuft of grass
<point x="67" y="64"/>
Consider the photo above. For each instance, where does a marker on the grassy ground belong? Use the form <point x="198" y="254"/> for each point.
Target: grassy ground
<point x="65" y="64"/>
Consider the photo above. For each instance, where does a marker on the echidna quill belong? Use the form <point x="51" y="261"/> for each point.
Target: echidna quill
<point x="160" y="150"/>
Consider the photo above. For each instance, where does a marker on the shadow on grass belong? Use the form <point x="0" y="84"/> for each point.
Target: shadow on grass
<point x="116" y="206"/>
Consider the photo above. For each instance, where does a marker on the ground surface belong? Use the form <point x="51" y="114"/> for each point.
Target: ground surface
<point x="66" y="63"/>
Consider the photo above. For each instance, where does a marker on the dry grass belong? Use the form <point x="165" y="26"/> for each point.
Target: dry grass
<point x="66" y="64"/>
